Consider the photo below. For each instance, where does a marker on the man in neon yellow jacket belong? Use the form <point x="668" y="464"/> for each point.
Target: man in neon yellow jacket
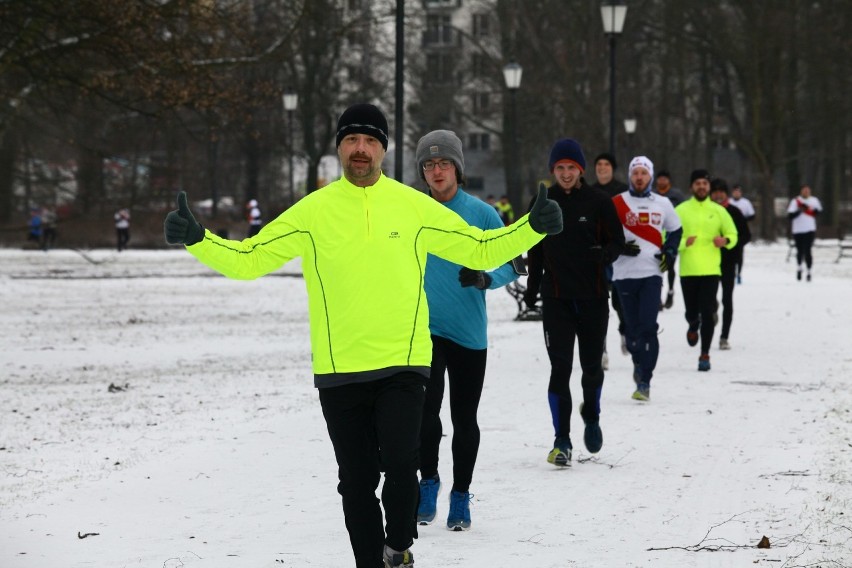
<point x="363" y="240"/>
<point x="707" y="227"/>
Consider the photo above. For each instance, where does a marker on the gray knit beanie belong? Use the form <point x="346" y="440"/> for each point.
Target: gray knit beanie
<point x="440" y="144"/>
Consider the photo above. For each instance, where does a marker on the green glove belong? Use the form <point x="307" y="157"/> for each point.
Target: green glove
<point x="181" y="227"/>
<point x="545" y="215"/>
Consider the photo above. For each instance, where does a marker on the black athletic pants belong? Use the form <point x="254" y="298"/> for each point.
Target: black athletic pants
<point x="563" y="320"/>
<point x="122" y="237"/>
<point x="804" y="244"/>
<point x="729" y="279"/>
<point x="670" y="274"/>
<point x="375" y="427"/>
<point x="699" y="297"/>
<point x="465" y="369"/>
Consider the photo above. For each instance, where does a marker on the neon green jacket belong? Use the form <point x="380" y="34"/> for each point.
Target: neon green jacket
<point x="703" y="220"/>
<point x="363" y="257"/>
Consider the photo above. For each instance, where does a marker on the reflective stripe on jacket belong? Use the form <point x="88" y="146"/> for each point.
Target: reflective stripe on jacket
<point x="363" y="255"/>
<point x="703" y="220"/>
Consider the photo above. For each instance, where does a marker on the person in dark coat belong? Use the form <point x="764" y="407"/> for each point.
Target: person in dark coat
<point x="605" y="166"/>
<point x="730" y="258"/>
<point x="569" y="272"/>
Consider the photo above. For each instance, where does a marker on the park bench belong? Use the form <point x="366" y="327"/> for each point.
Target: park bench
<point x="516" y="290"/>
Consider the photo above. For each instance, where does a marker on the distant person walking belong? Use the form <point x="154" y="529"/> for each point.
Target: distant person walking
<point x="122" y="228"/>
<point x="802" y="212"/>
<point x="254" y="218"/>
<point x="741" y="202"/>
<point x="48" y="218"/>
<point x="569" y="271"/>
<point x="738" y="200"/>
<point x="35" y="227"/>
<point x="504" y="208"/>
<point x="707" y="227"/>
<point x="652" y="233"/>
<point x="458" y="324"/>
<point x="730" y="257"/>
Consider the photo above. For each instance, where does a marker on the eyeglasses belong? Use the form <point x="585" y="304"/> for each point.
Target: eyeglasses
<point x="442" y="165"/>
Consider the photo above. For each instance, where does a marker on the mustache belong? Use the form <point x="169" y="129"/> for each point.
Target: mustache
<point x="359" y="155"/>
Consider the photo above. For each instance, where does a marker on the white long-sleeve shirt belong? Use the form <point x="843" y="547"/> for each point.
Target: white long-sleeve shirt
<point x="643" y="219"/>
<point x="804" y="222"/>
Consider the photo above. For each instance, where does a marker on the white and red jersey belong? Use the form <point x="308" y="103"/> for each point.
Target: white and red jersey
<point x="644" y="219"/>
<point x="805" y="221"/>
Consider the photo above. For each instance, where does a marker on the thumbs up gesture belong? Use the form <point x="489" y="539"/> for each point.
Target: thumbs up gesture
<point x="181" y="227"/>
<point x="545" y="215"/>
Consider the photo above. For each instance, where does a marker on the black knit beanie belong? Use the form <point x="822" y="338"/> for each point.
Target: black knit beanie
<point x="363" y="118"/>
<point x="608" y="157"/>
<point x="699" y="174"/>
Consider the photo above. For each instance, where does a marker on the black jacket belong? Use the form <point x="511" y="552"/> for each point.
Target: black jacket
<point x="730" y="257"/>
<point x="613" y="188"/>
<point x="571" y="264"/>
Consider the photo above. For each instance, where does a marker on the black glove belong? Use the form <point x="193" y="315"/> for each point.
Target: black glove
<point x="530" y="298"/>
<point x="545" y="215"/>
<point x="181" y="227"/>
<point x="666" y="260"/>
<point x="631" y="248"/>
<point x="476" y="278"/>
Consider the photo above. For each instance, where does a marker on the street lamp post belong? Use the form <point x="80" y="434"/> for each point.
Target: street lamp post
<point x="630" y="128"/>
<point x="512" y="73"/>
<point x="613" y="22"/>
<point x="291" y="101"/>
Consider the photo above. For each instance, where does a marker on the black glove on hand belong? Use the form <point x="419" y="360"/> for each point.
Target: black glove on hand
<point x="181" y="227"/>
<point x="476" y="278"/>
<point x="666" y="260"/>
<point x="545" y="215"/>
<point x="530" y="298"/>
<point x="631" y="249"/>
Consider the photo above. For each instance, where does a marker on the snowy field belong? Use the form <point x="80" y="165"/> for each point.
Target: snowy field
<point x="154" y="415"/>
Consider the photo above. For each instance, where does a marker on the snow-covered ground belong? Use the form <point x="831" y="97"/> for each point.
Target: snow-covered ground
<point x="155" y="415"/>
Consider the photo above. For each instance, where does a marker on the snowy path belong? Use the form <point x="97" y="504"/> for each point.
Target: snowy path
<point x="211" y="451"/>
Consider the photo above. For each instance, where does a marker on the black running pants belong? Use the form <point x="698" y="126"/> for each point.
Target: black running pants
<point x="804" y="244"/>
<point x="699" y="298"/>
<point x="563" y="320"/>
<point x="465" y="370"/>
<point x="374" y="427"/>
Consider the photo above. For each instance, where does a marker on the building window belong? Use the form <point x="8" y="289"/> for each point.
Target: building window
<point x="479" y="141"/>
<point x="481" y="103"/>
<point x="439" y="68"/>
<point x="479" y="65"/>
<point x="439" y="30"/>
<point x="475" y="182"/>
<point x="442" y="3"/>
<point x="481" y="25"/>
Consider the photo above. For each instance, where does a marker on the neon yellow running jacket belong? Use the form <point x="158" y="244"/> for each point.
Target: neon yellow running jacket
<point x="703" y="220"/>
<point x="363" y="257"/>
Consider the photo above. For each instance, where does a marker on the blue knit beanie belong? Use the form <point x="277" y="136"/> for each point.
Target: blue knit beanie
<point x="567" y="149"/>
